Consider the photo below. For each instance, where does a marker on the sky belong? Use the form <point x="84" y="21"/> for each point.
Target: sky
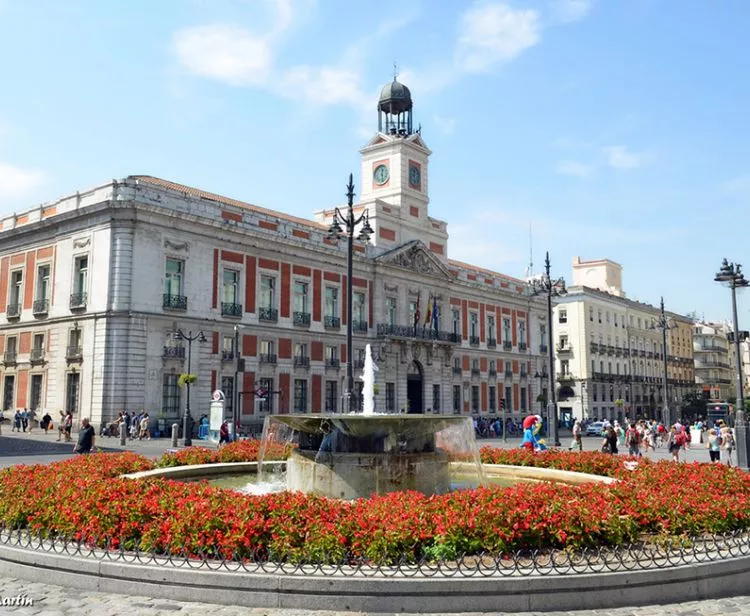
<point x="595" y="128"/>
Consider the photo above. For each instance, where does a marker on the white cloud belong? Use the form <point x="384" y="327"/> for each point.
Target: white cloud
<point x="493" y="33"/>
<point x="738" y="185"/>
<point x="567" y="11"/>
<point x="445" y="124"/>
<point x="572" y="167"/>
<point x="619" y="157"/>
<point x="16" y="181"/>
<point x="225" y="53"/>
<point x="324" y="85"/>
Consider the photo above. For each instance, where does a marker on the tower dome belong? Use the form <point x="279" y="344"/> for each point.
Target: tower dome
<point x="394" y="109"/>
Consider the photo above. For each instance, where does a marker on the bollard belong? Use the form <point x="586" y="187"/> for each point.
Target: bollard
<point x="123" y="434"/>
<point x="175" y="432"/>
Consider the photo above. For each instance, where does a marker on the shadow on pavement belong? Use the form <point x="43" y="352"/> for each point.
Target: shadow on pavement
<point x="14" y="446"/>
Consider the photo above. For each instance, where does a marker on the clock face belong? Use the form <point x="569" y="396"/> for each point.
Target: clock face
<point x="415" y="176"/>
<point x="380" y="174"/>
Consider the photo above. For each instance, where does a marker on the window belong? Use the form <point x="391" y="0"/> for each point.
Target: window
<point x="16" y="284"/>
<point x="300" y="349"/>
<point x="81" y="273"/>
<point x="74" y="338"/>
<point x="457" y="365"/>
<point x="390" y="396"/>
<point x="563" y="342"/>
<point x="358" y="307"/>
<point x="331" y="397"/>
<point x="42" y="282"/>
<point x="266" y="350"/>
<point x="491" y="328"/>
<point x="523" y="398"/>
<point x="599" y="315"/>
<point x="593" y="366"/>
<point x="473" y="325"/>
<point x="564" y="367"/>
<point x="606" y="316"/>
<point x="227" y="347"/>
<point x="332" y="302"/>
<point x="436" y="398"/>
<point x="38" y="342"/>
<point x="300" y="298"/>
<point x="36" y="391"/>
<point x="543" y="334"/>
<point x="265" y="404"/>
<point x="267" y="292"/>
<point x="475" y="365"/>
<point x="390" y="311"/>
<point x="591" y="314"/>
<point x="227" y="386"/>
<point x="492" y="398"/>
<point x="72" y="391"/>
<point x="170" y="395"/>
<point x="456" y="320"/>
<point x="457" y="399"/>
<point x="173" y="277"/>
<point x="522" y="332"/>
<point x="492" y="366"/>
<point x="230" y="291"/>
<point x="475" y="398"/>
<point x="300" y="395"/>
<point x="9" y="385"/>
<point x="506" y="330"/>
<point x="332" y="353"/>
<point x="413" y="316"/>
<point x="562" y="316"/>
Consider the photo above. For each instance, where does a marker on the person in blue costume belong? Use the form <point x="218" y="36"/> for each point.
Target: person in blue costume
<point x="531" y="428"/>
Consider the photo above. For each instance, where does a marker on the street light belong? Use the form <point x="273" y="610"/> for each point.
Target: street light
<point x="336" y="230"/>
<point x="545" y="285"/>
<point x="731" y="274"/>
<point x="187" y="420"/>
<point x="663" y="324"/>
<point x="239" y="367"/>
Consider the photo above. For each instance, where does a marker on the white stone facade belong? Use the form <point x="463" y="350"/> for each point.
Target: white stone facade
<point x="134" y="260"/>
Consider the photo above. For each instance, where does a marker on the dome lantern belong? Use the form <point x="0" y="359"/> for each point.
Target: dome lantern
<point x="395" y="109"/>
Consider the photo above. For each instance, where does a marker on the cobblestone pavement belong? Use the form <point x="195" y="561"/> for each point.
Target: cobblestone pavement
<point x="48" y="600"/>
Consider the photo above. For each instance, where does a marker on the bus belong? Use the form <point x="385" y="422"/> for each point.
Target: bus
<point x="719" y="410"/>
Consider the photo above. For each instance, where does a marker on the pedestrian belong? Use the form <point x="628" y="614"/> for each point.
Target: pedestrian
<point x="46" y="423"/>
<point x="68" y="427"/>
<point x="633" y="440"/>
<point x="609" y="443"/>
<point x="17" y="421"/>
<point x="24" y="419"/>
<point x="675" y="442"/>
<point x="86" y="438"/>
<point x="224" y="433"/>
<point x="31" y="415"/>
<point x="727" y="445"/>
<point x="577" y="433"/>
<point x="713" y="444"/>
<point x="61" y="425"/>
<point x="144" y="429"/>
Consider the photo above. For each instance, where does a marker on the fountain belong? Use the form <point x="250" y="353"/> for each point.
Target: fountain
<point x="356" y="455"/>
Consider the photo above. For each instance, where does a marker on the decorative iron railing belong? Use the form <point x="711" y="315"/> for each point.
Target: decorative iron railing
<point x="385" y="330"/>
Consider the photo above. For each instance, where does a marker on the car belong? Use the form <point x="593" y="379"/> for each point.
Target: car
<point x="595" y="428"/>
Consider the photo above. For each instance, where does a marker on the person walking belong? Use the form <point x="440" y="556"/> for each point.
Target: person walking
<point x="86" y="438"/>
<point x="727" y="445"/>
<point x="17" y="422"/>
<point x="46" y="422"/>
<point x="68" y="426"/>
<point x="577" y="433"/>
<point x="31" y="416"/>
<point x="713" y="444"/>
<point x="609" y="443"/>
<point x="633" y="440"/>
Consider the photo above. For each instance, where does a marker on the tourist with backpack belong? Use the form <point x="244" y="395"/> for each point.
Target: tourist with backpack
<point x="633" y="440"/>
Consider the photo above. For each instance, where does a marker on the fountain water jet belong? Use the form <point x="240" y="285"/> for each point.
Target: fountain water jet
<point x="368" y="378"/>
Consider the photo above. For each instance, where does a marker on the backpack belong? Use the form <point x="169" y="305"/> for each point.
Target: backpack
<point x="632" y="437"/>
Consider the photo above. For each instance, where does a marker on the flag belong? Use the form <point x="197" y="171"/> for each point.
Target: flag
<point x="435" y="314"/>
<point x="428" y="314"/>
<point x="417" y="313"/>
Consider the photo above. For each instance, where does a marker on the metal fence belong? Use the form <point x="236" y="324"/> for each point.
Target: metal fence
<point x="644" y="555"/>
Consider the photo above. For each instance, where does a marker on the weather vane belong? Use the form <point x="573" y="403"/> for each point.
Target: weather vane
<point x="395" y="71"/>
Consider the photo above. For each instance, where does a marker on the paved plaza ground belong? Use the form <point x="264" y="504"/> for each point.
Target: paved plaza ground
<point x="50" y="600"/>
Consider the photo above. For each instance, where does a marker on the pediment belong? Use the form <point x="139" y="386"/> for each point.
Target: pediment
<point x="376" y="140"/>
<point x="416" y="139"/>
<point x="414" y="256"/>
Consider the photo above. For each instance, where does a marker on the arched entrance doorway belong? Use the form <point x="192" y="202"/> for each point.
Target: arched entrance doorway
<point x="415" y="388"/>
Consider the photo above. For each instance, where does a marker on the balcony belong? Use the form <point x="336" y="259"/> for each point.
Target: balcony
<point x="421" y="333"/>
<point x="524" y="374"/>
<point x="360" y="326"/>
<point x="74" y="353"/>
<point x="475" y="373"/>
<point x="227" y="355"/>
<point x="268" y="314"/>
<point x="9" y="358"/>
<point x="173" y="352"/>
<point x="509" y="374"/>
<point x="174" y="302"/>
<point x="302" y="319"/>
<point x="229" y="309"/>
<point x="543" y="348"/>
<point x="457" y="370"/>
<point x="565" y="378"/>
<point x="358" y="364"/>
<point x="492" y="373"/>
<point x="267" y="358"/>
<point x="13" y="311"/>
<point x="507" y="345"/>
<point x="301" y="362"/>
<point x="78" y="301"/>
<point x="491" y="343"/>
<point x="649" y="354"/>
<point x="642" y="353"/>
<point x="330" y="322"/>
<point x="563" y="349"/>
<point x="40" y="307"/>
<point x="333" y="363"/>
<point x="594" y="347"/>
<point x="474" y="341"/>
<point x="37" y="356"/>
<point x="522" y="346"/>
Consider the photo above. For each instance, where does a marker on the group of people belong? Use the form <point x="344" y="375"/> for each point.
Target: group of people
<point x="137" y="425"/>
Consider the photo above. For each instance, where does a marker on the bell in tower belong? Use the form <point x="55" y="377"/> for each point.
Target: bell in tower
<point x="394" y="109"/>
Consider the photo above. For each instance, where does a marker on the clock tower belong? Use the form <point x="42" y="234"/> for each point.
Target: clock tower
<point x="395" y="177"/>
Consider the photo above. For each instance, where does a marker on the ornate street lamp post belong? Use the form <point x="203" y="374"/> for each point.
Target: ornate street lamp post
<point x="187" y="420"/>
<point x="345" y="224"/>
<point x="551" y="288"/>
<point x="663" y="325"/>
<point x="731" y="274"/>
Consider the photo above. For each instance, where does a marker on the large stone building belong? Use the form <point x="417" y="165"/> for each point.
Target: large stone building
<point x="714" y="361"/>
<point x="610" y="352"/>
<point x="94" y="286"/>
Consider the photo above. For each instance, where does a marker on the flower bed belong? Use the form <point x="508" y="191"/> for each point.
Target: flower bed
<point x="85" y="498"/>
<point x="240" y="451"/>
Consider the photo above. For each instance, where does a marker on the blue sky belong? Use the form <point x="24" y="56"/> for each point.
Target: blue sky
<point x="614" y="128"/>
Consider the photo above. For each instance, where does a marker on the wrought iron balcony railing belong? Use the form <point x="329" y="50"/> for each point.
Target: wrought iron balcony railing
<point x="457" y="370"/>
<point x="174" y="302"/>
<point x="301" y="318"/>
<point x="509" y="374"/>
<point x="301" y="362"/>
<point x="491" y="343"/>
<point x="40" y="307"/>
<point x="267" y="358"/>
<point x="331" y="322"/>
<point x="385" y="330"/>
<point x="13" y="311"/>
<point x="507" y="345"/>
<point x="228" y="309"/>
<point x="475" y="373"/>
<point x="474" y="340"/>
<point x="37" y="356"/>
<point x="174" y="352"/>
<point x="227" y="355"/>
<point x="522" y="346"/>
<point x="358" y="364"/>
<point x="9" y="358"/>
<point x="543" y="348"/>
<point x="268" y="314"/>
<point x="333" y="362"/>
<point x="74" y="353"/>
<point x="78" y="300"/>
<point x="359" y="326"/>
<point x="492" y="373"/>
